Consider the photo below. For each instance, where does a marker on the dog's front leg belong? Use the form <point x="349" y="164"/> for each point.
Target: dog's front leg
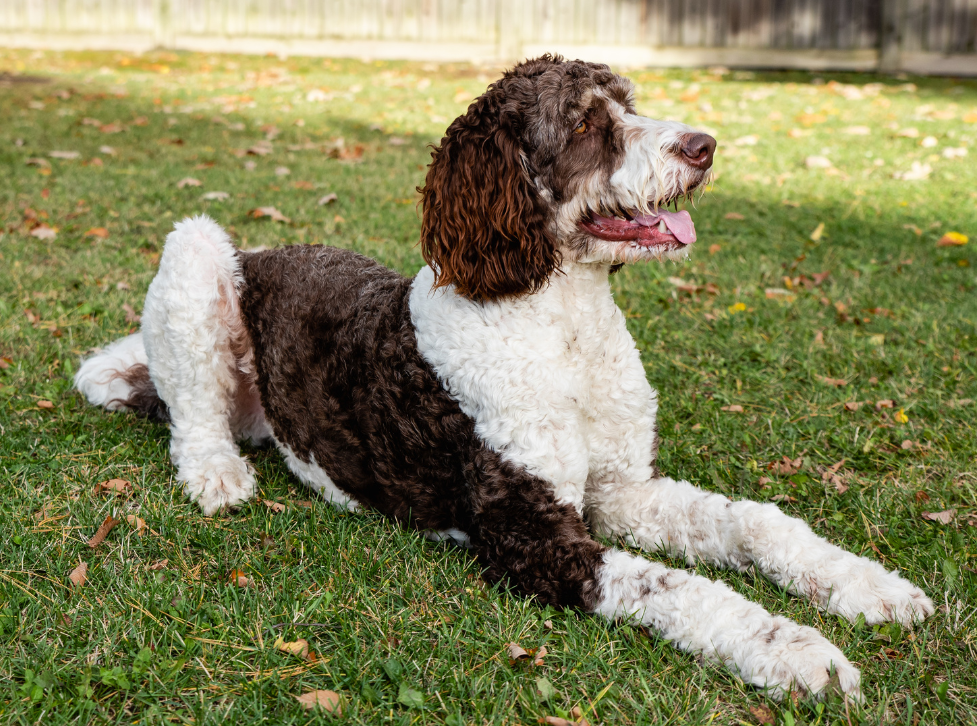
<point x="687" y="521"/>
<point x="543" y="549"/>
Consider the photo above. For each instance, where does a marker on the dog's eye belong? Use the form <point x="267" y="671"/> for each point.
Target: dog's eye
<point x="580" y="127"/>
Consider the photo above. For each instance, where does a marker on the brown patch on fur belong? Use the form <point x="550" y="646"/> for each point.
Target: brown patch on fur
<point x="142" y="398"/>
<point x="342" y="381"/>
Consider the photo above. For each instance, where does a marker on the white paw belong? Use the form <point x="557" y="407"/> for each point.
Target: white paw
<point x="784" y="656"/>
<point x="881" y="595"/>
<point x="219" y="483"/>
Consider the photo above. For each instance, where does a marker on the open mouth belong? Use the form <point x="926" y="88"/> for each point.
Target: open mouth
<point x="661" y="229"/>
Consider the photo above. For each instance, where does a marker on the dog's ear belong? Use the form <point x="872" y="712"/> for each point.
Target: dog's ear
<point x="484" y="224"/>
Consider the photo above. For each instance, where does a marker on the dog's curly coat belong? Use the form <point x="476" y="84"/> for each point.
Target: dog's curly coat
<point x="497" y="398"/>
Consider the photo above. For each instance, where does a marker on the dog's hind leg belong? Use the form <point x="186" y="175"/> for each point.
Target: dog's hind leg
<point x="686" y="521"/>
<point x="542" y="548"/>
<point x="198" y="355"/>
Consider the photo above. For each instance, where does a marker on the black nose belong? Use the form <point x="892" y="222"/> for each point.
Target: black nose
<point x="698" y="150"/>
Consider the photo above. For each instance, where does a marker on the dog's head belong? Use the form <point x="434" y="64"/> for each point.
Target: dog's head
<point x="552" y="163"/>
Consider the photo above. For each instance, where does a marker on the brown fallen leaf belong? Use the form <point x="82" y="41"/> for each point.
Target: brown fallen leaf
<point x="45" y="404"/>
<point x="275" y="507"/>
<point x="79" y="574"/>
<point x="763" y="714"/>
<point x="326" y="700"/>
<point x="103" y="531"/>
<point x="188" y="181"/>
<point x="99" y="232"/>
<point x="736" y="216"/>
<point x="735" y="408"/>
<point x="944" y="517"/>
<point x="906" y="445"/>
<point x="270" y="212"/>
<point x="38" y="161"/>
<point x="557" y="721"/>
<point x="952" y="239"/>
<point x="5" y="362"/>
<point x="539" y="655"/>
<point x="131" y="315"/>
<point x="262" y="148"/>
<point x="303" y="185"/>
<point x="237" y="577"/>
<point x="331" y="197"/>
<point x="852" y="405"/>
<point x="884" y="403"/>
<point x="112" y="128"/>
<point x="137" y="523"/>
<point x="839" y="382"/>
<point x="787" y="466"/>
<point x="158" y="565"/>
<point x="113" y="486"/>
<point x="548" y="624"/>
<point x="516" y="652"/>
<point x="778" y="293"/>
<point x="786" y="498"/>
<point x="764" y="480"/>
<point x="298" y="647"/>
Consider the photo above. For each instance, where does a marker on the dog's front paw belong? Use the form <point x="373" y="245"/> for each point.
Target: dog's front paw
<point x="219" y="483"/>
<point x="784" y="657"/>
<point x="879" y="594"/>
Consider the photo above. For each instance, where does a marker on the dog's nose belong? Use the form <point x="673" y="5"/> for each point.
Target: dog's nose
<point x="698" y="150"/>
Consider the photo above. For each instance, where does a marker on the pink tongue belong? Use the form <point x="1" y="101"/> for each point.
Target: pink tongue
<point x="678" y="223"/>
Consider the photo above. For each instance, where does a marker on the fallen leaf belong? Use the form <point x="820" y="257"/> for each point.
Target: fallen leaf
<point x="917" y="172"/>
<point x="158" y="565"/>
<point x="858" y="131"/>
<point x="103" y="531"/>
<point x="763" y="714"/>
<point x="914" y="229"/>
<point x="954" y="152"/>
<point x="786" y="498"/>
<point x="5" y="362"/>
<point x="107" y="150"/>
<point x="396" y="141"/>
<point x="237" y="577"/>
<point x="906" y="445"/>
<point x="306" y="185"/>
<point x="45" y="404"/>
<point x="131" y="315"/>
<point x="714" y="248"/>
<point x="818" y="162"/>
<point x="113" y="486"/>
<point x="275" y="507"/>
<point x="270" y="212"/>
<point x="773" y="293"/>
<point x="136" y="522"/>
<point x="884" y="403"/>
<point x="328" y="199"/>
<point x="43" y="231"/>
<point x="64" y="154"/>
<point x="787" y="466"/>
<point x="37" y="161"/>
<point x="298" y="647"/>
<point x="557" y="721"/>
<point x="112" y="128"/>
<point x="737" y="307"/>
<point x="262" y="148"/>
<point x="749" y="140"/>
<point x="734" y="215"/>
<point x="908" y="133"/>
<point x="188" y="181"/>
<point x="928" y="142"/>
<point x="852" y="405"/>
<point x="839" y="382"/>
<point x="952" y="239"/>
<point x="734" y="408"/>
<point x="326" y="700"/>
<point x="764" y="480"/>
<point x="516" y="652"/>
<point x="538" y="657"/>
<point x="818" y="231"/>
<point x="548" y="624"/>
<point x="901" y="417"/>
<point x="282" y="171"/>
<point x="79" y="574"/>
<point x="214" y="196"/>
<point x="99" y="232"/>
<point x="944" y="517"/>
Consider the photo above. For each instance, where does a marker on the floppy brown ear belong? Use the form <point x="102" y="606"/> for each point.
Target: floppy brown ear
<point x="484" y="225"/>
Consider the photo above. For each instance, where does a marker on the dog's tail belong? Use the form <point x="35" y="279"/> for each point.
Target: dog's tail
<point x="117" y="378"/>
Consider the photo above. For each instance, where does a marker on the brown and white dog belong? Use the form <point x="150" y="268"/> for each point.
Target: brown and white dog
<point x="496" y="398"/>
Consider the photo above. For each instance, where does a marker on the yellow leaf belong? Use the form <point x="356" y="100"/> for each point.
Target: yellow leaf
<point x="298" y="647"/>
<point x="901" y="417"/>
<point x="818" y="231"/>
<point x="737" y="307"/>
<point x="952" y="239"/>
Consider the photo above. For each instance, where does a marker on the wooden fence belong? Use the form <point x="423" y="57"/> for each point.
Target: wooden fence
<point x="916" y="35"/>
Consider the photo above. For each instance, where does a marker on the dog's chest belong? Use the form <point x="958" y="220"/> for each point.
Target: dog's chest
<point x="552" y="380"/>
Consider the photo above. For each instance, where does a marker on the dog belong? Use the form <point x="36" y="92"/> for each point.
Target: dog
<point x="496" y="399"/>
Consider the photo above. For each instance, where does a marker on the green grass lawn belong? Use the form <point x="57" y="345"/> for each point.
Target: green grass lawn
<point x="817" y="296"/>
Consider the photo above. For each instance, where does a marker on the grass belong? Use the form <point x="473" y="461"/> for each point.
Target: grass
<point x="404" y="629"/>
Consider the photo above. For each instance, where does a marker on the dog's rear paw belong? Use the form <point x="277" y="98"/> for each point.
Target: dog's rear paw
<point x="219" y="483"/>
<point x="881" y="595"/>
<point x="796" y="658"/>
